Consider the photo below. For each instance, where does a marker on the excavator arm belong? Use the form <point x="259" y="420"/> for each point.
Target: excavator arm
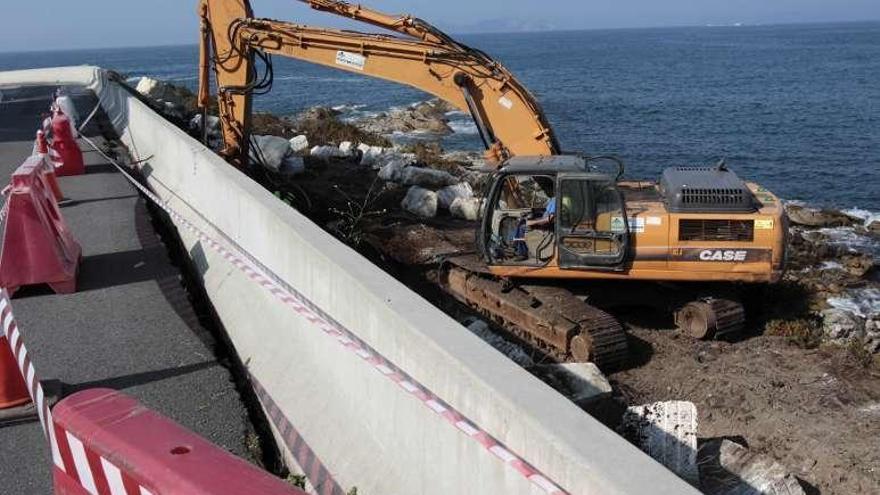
<point x="508" y="117"/>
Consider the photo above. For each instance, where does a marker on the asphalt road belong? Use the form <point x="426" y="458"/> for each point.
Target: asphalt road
<point x="130" y="325"/>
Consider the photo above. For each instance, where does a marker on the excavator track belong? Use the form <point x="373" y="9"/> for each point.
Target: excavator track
<point x="550" y="319"/>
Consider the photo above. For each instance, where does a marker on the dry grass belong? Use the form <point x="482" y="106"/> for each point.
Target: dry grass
<point x="329" y="130"/>
<point x="801" y="332"/>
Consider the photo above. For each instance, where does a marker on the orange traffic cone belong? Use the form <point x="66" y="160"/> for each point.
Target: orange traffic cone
<point x="13" y="390"/>
<point x="49" y="167"/>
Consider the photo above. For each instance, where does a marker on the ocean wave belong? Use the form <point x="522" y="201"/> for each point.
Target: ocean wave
<point x="865" y="216"/>
<point x="349" y="108"/>
<point x="467" y="127"/>
<point x="851" y="239"/>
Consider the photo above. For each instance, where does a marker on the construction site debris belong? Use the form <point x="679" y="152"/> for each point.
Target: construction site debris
<point x="420" y="202"/>
<point x="667" y="431"/>
<point x="732" y="469"/>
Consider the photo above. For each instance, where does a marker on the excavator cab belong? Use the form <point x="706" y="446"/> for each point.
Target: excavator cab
<point x="542" y="209"/>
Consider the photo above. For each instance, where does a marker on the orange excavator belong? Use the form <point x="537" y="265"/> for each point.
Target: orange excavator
<point x="551" y="221"/>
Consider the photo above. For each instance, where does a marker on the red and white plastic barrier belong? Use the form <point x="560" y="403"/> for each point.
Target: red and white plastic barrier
<point x="64" y="151"/>
<point x="111" y="444"/>
<point x="106" y="443"/>
<point x="36" y="245"/>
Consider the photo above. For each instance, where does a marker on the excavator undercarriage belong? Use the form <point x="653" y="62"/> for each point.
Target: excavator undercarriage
<point x="550" y="319"/>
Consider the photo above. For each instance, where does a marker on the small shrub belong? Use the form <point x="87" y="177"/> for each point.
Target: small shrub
<point x="858" y="349"/>
<point x="803" y="333"/>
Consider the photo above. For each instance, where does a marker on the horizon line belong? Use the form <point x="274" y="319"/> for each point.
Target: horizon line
<point x="733" y="25"/>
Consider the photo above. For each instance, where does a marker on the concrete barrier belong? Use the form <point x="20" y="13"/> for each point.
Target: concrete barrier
<point x="338" y="416"/>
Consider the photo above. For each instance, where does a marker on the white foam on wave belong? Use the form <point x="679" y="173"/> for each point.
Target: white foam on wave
<point x="851" y="239"/>
<point x="463" y="127"/>
<point x="865" y="216"/>
<point x="349" y="108"/>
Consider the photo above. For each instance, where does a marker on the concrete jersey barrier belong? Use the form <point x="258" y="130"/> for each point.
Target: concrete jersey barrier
<point x="339" y="417"/>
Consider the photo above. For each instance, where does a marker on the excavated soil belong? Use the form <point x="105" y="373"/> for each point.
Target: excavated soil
<point x="815" y="411"/>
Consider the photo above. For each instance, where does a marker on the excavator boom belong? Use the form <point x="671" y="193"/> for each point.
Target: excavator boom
<point x="508" y="117"/>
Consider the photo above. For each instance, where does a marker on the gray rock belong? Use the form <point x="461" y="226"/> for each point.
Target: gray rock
<point x="393" y="171"/>
<point x="420" y="202"/>
<point x="347" y="148"/>
<point x="466" y="209"/>
<point x="271" y="151"/>
<point x="814" y="217"/>
<point x="842" y="326"/>
<point x="299" y="144"/>
<point x="326" y="153"/>
<point x="872" y="333"/>
<point x="426" y="117"/>
<point x="427" y="178"/>
<point x="371" y="155"/>
<point x="450" y="193"/>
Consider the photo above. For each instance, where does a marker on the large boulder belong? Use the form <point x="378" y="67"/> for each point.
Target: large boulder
<point x="466" y="208"/>
<point x="449" y="194"/>
<point x="814" y="217"/>
<point x="327" y="153"/>
<point x="370" y="154"/>
<point x="300" y="144"/>
<point x="270" y="151"/>
<point x="427" y="178"/>
<point x="393" y="171"/>
<point x="173" y="99"/>
<point x="214" y="134"/>
<point x="420" y="202"/>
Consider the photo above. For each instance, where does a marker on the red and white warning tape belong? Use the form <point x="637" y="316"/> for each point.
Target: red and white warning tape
<point x="96" y="474"/>
<point x="267" y="279"/>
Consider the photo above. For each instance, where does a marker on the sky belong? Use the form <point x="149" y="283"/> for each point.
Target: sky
<point x="62" y="24"/>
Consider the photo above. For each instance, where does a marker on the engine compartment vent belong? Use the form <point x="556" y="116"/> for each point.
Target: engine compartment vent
<point x="705" y="190"/>
<point x="716" y="230"/>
